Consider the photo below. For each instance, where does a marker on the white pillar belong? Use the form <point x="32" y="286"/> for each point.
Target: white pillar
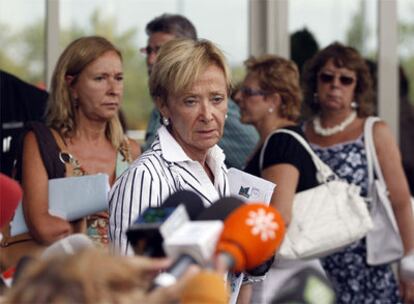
<point x="388" y="95"/>
<point x="52" y="38"/>
<point x="268" y="27"/>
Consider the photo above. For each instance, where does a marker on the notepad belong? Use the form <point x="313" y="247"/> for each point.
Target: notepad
<point x="250" y="188"/>
<point x="70" y="198"/>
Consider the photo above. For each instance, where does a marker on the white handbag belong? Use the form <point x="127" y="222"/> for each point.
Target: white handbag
<point x="325" y="218"/>
<point x="384" y="243"/>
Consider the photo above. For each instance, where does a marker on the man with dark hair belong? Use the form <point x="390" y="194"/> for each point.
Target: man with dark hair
<point x="238" y="140"/>
<point x="20" y="102"/>
<point x="303" y="46"/>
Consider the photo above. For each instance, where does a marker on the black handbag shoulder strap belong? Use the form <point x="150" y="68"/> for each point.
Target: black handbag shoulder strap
<point x="49" y="151"/>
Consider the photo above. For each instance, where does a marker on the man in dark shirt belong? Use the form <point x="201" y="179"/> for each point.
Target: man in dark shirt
<point x="20" y="102"/>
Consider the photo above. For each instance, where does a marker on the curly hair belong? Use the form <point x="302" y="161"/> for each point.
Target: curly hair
<point x="342" y="57"/>
<point x="276" y="74"/>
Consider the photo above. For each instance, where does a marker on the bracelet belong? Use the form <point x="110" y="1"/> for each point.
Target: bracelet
<point x="407" y="266"/>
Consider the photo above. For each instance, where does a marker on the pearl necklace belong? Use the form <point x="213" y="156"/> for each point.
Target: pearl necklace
<point x="317" y="127"/>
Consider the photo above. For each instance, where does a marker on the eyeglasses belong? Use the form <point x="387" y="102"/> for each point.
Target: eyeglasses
<point x="149" y="50"/>
<point x="249" y="92"/>
<point x="343" y="79"/>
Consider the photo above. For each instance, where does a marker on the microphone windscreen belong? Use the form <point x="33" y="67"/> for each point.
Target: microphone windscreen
<point x="10" y="196"/>
<point x="191" y="201"/>
<point x="251" y="235"/>
<point x="68" y="245"/>
<point x="221" y="209"/>
<point x="204" y="288"/>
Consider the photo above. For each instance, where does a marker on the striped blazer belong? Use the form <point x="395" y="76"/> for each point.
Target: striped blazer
<point x="154" y="176"/>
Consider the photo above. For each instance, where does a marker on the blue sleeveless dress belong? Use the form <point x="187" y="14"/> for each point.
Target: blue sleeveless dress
<point x="353" y="279"/>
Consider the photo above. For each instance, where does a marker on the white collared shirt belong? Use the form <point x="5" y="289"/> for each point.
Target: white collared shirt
<point x="154" y="176"/>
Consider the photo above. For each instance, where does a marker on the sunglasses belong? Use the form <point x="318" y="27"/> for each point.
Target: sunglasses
<point x="249" y="92"/>
<point x="343" y="79"/>
<point x="149" y="50"/>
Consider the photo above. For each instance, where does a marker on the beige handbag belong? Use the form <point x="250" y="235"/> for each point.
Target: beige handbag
<point x="325" y="218"/>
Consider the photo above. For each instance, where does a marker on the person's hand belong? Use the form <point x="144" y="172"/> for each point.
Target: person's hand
<point x="407" y="290"/>
<point x="172" y="293"/>
<point x="147" y="268"/>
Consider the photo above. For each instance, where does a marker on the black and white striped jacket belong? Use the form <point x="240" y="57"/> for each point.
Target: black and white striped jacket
<point x="159" y="172"/>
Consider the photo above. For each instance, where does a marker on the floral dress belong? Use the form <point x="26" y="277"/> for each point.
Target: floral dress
<point x="353" y="279"/>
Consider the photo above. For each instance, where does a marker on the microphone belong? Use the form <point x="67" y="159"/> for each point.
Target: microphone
<point x="68" y="246"/>
<point x="204" y="288"/>
<point x="251" y="235"/>
<point x="221" y="209"/>
<point x="154" y="225"/>
<point x="10" y="196"/>
<point x="194" y="242"/>
<point x="306" y="286"/>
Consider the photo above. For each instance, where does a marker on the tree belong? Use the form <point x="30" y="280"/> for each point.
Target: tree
<point x="358" y="32"/>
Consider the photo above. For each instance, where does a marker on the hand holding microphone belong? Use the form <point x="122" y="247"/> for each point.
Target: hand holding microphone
<point x="250" y="236"/>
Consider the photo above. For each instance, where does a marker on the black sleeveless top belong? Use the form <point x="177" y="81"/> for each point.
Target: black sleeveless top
<point x="282" y="148"/>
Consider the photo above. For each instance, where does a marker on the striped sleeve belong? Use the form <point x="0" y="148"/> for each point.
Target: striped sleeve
<point x="134" y="191"/>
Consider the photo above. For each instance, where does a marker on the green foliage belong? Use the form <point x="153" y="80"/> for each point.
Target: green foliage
<point x="24" y="57"/>
<point x="358" y="31"/>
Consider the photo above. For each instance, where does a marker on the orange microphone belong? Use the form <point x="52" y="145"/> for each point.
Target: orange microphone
<point x="251" y="235"/>
<point x="204" y="288"/>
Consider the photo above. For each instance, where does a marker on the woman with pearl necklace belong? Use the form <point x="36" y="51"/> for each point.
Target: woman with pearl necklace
<point x="338" y="91"/>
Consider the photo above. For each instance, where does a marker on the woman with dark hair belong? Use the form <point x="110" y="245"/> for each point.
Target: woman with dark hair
<point x="339" y="94"/>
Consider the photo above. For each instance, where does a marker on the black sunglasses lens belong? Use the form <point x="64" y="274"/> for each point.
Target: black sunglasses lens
<point x="345" y="80"/>
<point x="326" y="78"/>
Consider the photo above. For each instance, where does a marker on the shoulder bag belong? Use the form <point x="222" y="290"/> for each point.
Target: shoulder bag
<point x="325" y="218"/>
<point x="384" y="243"/>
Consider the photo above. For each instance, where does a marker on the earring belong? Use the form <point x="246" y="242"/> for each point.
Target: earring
<point x="315" y="98"/>
<point x="165" y="121"/>
<point x="270" y="110"/>
<point x="354" y="105"/>
<point x="225" y="116"/>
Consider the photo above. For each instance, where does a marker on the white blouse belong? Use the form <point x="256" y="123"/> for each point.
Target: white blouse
<point x="154" y="176"/>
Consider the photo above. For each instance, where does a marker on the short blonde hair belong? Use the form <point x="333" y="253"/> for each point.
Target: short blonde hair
<point x="60" y="110"/>
<point x="278" y="75"/>
<point x="89" y="276"/>
<point x="180" y="62"/>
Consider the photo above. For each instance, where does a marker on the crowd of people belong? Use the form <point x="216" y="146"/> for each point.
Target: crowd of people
<point x="201" y="125"/>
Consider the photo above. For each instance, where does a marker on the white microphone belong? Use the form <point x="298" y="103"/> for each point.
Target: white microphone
<point x="193" y="243"/>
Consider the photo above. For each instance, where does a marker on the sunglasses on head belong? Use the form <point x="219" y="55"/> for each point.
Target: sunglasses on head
<point x="343" y="79"/>
<point x="148" y="50"/>
<point x="248" y="92"/>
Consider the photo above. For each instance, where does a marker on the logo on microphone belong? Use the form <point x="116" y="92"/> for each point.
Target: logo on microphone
<point x="263" y="224"/>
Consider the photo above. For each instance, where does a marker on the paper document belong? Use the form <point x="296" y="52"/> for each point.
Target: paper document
<point x="250" y="188"/>
<point x="71" y="198"/>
